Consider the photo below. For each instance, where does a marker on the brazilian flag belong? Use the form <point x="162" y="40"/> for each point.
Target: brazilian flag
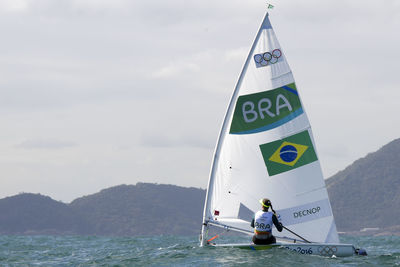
<point x="288" y="153"/>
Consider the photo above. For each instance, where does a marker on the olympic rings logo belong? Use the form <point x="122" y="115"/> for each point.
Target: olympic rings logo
<point x="327" y="250"/>
<point x="266" y="58"/>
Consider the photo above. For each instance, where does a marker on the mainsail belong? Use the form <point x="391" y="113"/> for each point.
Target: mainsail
<point x="266" y="149"/>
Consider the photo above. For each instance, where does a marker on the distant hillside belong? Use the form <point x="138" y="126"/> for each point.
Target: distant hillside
<point x="144" y="209"/>
<point x="367" y="193"/>
<point x="141" y="209"/>
<point x="37" y="214"/>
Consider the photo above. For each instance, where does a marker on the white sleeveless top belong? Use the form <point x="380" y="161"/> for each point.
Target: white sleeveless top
<point x="263" y="222"/>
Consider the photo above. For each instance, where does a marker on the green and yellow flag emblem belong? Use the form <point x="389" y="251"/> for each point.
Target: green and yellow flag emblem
<point x="289" y="153"/>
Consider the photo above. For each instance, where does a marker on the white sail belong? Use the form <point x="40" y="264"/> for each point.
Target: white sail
<point x="266" y="149"/>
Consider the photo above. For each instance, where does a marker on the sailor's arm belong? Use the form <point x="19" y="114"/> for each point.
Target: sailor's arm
<point x="252" y="223"/>
<point x="277" y="224"/>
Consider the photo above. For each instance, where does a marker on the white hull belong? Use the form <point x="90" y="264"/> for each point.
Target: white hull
<point x="321" y="249"/>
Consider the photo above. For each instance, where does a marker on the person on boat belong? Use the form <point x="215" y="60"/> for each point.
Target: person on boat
<point x="262" y="224"/>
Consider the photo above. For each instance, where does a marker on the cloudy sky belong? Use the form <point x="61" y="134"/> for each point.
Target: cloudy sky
<point x="96" y="93"/>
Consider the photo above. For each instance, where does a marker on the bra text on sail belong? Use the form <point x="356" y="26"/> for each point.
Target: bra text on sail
<point x="266" y="110"/>
<point x="264" y="105"/>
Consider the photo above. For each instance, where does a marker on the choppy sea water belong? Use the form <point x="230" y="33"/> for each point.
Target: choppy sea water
<point x="176" y="251"/>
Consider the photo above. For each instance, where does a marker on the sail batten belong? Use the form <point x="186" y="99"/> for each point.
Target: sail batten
<point x="266" y="149"/>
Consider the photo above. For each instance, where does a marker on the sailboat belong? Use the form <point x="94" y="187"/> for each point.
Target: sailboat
<point x="266" y="149"/>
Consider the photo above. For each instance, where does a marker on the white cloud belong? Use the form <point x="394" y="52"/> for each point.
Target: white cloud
<point x="13" y="5"/>
<point x="45" y="144"/>
<point x="100" y="4"/>
<point x="174" y="69"/>
<point x="237" y="54"/>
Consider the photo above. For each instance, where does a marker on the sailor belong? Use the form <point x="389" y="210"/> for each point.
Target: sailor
<point x="262" y="224"/>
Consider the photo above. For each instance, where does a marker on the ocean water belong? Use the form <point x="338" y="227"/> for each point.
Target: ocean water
<point x="177" y="251"/>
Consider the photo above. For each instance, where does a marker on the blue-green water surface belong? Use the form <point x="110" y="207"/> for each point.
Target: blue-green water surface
<point x="176" y="251"/>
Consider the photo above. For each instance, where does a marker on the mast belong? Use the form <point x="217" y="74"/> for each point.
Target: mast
<point x="228" y="115"/>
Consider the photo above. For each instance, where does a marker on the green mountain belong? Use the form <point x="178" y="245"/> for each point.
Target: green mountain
<point x="37" y="214"/>
<point x="141" y="209"/>
<point x="367" y="193"/>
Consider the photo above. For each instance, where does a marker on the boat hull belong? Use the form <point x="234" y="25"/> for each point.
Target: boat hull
<point x="321" y="249"/>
